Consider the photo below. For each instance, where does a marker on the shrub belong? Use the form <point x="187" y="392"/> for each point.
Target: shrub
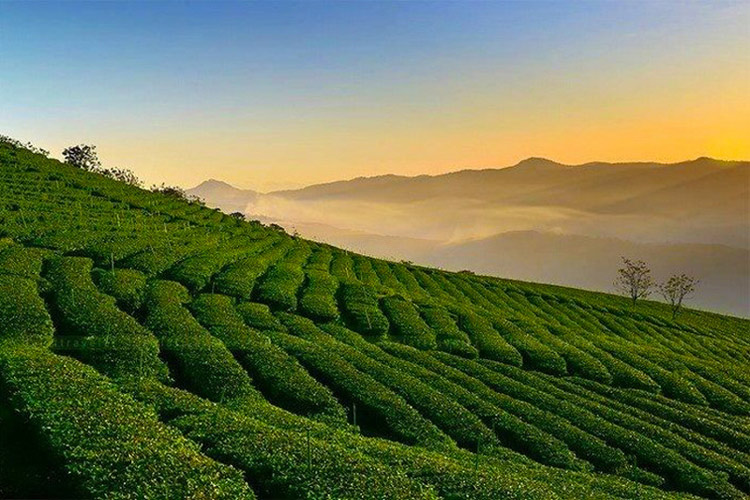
<point x="22" y="261"/>
<point x="110" y="445"/>
<point x="449" y="337"/>
<point x="320" y="260"/>
<point x="717" y="396"/>
<point x="365" y="273"/>
<point x="511" y="430"/>
<point x="342" y="267"/>
<point x="625" y="432"/>
<point x="387" y="278"/>
<point x="259" y="316"/>
<point x="447" y="414"/>
<point x="361" y="311"/>
<point x="406" y="325"/>
<point x="23" y="315"/>
<point x="127" y="286"/>
<point x="379" y="410"/>
<point x="105" y="337"/>
<point x="579" y="362"/>
<point x="318" y="299"/>
<point x="536" y="355"/>
<point x="196" y="271"/>
<point x="673" y="385"/>
<point x="278" y="287"/>
<point x="623" y="375"/>
<point x="198" y="361"/>
<point x="238" y="279"/>
<point x="489" y="343"/>
<point x="409" y="282"/>
<point x="281" y="378"/>
<point x="521" y="425"/>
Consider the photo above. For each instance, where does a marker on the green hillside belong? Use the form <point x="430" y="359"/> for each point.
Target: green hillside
<point x="154" y="348"/>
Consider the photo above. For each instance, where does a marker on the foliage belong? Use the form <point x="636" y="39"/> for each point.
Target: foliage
<point x="197" y="360"/>
<point x="676" y="289"/>
<point x="111" y="446"/>
<point x="634" y="280"/>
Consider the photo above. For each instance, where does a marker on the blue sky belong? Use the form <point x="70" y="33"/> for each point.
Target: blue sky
<point x="314" y="91"/>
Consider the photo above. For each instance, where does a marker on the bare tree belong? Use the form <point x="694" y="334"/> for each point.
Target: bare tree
<point x="634" y="280"/>
<point x="82" y="156"/>
<point x="676" y="289"/>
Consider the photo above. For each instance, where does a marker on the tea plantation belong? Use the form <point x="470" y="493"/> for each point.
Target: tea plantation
<point x="155" y="348"/>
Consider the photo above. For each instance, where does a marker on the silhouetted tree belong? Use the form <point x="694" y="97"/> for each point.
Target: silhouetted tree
<point x="82" y="156"/>
<point x="676" y="289"/>
<point x="28" y="145"/>
<point x="237" y="215"/>
<point x="123" y="175"/>
<point x="173" y="191"/>
<point x="634" y="279"/>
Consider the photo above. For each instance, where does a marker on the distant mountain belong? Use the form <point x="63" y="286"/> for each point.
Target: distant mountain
<point x="223" y="195"/>
<point x="565" y="224"/>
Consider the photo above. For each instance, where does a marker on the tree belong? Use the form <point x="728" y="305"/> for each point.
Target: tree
<point x="123" y="175"/>
<point x="676" y="289"/>
<point x="82" y="156"/>
<point x="634" y="279"/>
<point x="237" y="215"/>
<point x="173" y="191"/>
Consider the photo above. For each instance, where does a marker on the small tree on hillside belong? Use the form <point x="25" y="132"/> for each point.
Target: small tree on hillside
<point x="123" y="175"/>
<point x="634" y="280"/>
<point x="82" y="156"/>
<point x="237" y="215"/>
<point x="676" y="289"/>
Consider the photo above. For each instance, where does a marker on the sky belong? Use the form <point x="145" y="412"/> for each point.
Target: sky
<point x="271" y="95"/>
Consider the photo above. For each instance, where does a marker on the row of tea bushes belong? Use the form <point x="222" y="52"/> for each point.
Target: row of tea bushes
<point x="318" y="298"/>
<point x="22" y="261"/>
<point x="281" y="379"/>
<point x="109" y="445"/>
<point x="259" y="316"/>
<point x="281" y="460"/>
<point x="379" y="409"/>
<point x="448" y="415"/>
<point x="578" y="362"/>
<point x="196" y="271"/>
<point x="359" y="304"/>
<point x="707" y="453"/>
<point x="279" y="285"/>
<point x="623" y="375"/>
<point x="127" y="286"/>
<point x="610" y="425"/>
<point x="91" y="326"/>
<point x="23" y="315"/>
<point x="448" y="336"/>
<point x="530" y="429"/>
<point x="239" y="279"/>
<point x="536" y="355"/>
<point x="406" y="324"/>
<point x="387" y="278"/>
<point x="486" y="339"/>
<point x="509" y="429"/>
<point x="198" y="361"/>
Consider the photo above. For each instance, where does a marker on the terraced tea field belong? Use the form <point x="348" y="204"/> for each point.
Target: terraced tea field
<point x="154" y="348"/>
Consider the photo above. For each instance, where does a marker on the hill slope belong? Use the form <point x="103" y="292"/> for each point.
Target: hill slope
<point x="154" y="348"/>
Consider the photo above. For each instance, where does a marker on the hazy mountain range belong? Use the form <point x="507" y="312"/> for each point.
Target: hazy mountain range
<point x="538" y="220"/>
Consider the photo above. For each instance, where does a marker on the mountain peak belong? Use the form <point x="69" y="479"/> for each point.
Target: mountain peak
<point x="214" y="183"/>
<point x="537" y="162"/>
